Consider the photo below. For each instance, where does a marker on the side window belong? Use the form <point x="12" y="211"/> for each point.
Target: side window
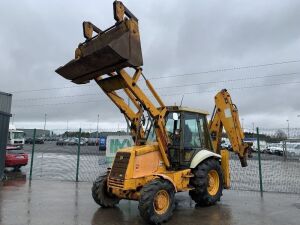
<point x="202" y="131"/>
<point x="191" y="131"/>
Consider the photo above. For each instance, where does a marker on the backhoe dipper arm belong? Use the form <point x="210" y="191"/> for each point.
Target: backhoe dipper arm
<point x="226" y="116"/>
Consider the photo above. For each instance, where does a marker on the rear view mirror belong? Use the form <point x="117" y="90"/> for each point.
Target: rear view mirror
<point x="175" y="116"/>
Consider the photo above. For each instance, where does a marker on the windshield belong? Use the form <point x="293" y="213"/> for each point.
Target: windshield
<point x="17" y="135"/>
<point x="169" y="128"/>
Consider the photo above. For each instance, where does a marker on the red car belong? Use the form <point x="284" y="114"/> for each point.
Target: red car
<point x="15" y="158"/>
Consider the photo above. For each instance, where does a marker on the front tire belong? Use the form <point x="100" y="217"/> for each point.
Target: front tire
<point x="100" y="194"/>
<point x="157" y="203"/>
<point x="208" y="183"/>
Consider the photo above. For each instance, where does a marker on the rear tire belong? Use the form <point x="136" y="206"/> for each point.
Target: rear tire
<point x="100" y="194"/>
<point x="208" y="183"/>
<point x="17" y="168"/>
<point x="156" y="204"/>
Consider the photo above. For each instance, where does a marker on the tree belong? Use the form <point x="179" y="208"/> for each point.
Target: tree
<point x="280" y="135"/>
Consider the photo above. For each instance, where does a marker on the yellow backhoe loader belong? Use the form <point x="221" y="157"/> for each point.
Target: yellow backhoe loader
<point x="176" y="149"/>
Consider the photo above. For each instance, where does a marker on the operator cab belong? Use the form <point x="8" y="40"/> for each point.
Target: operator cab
<point x="188" y="134"/>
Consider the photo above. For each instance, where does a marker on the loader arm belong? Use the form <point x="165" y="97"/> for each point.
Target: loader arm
<point x="104" y="57"/>
<point x="132" y="117"/>
<point x="225" y="115"/>
<point x="122" y="80"/>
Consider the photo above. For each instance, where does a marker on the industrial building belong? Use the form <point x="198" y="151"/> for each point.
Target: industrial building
<point x="5" y="107"/>
<point x="28" y="133"/>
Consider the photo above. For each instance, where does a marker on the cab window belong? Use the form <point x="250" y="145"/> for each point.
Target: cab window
<point x="191" y="131"/>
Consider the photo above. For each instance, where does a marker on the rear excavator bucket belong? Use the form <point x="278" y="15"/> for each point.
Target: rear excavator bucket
<point x="116" y="48"/>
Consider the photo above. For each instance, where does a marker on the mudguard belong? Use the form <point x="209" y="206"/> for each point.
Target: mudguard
<point x="201" y="156"/>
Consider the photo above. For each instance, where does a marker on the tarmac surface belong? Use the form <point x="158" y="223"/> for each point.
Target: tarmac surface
<point x="56" y="202"/>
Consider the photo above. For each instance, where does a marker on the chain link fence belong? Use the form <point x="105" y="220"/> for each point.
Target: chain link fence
<point x="79" y="155"/>
<point x="76" y="155"/>
<point x="279" y="151"/>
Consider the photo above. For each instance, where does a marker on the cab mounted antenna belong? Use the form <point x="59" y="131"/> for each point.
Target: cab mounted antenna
<point x="181" y="100"/>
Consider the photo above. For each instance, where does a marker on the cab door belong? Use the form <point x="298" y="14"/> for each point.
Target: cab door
<point x="195" y="136"/>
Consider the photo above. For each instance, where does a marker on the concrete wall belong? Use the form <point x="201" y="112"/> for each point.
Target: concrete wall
<point x="5" y="107"/>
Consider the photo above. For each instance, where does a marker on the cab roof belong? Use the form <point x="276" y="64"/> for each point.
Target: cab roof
<point x="187" y="109"/>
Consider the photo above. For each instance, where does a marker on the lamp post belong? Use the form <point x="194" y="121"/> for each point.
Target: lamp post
<point x="45" y="121"/>
<point x="67" y="128"/>
<point x="288" y="129"/>
<point x="13" y="119"/>
<point x="97" y="124"/>
<point x="97" y="138"/>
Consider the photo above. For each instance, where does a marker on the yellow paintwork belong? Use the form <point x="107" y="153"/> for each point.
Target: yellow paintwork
<point x="213" y="182"/>
<point x="146" y="164"/>
<point x="225" y="168"/>
<point x="161" y="202"/>
<point x="226" y="116"/>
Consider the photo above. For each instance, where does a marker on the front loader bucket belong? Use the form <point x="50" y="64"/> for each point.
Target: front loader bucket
<point x="114" y="49"/>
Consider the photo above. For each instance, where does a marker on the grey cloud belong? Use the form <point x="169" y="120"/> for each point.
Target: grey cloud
<point x="177" y="37"/>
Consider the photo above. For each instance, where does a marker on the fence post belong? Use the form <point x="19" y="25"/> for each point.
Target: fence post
<point x="259" y="162"/>
<point x="32" y="154"/>
<point x="284" y="150"/>
<point x="78" y="154"/>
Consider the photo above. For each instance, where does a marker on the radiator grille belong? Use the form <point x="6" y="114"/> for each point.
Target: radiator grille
<point x="118" y="171"/>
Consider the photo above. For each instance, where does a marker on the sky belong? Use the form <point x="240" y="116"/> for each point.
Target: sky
<point x="186" y="47"/>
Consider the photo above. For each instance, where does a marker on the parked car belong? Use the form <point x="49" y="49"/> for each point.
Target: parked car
<point x="60" y="141"/>
<point x="267" y="151"/>
<point x="276" y="149"/>
<point x="72" y="141"/>
<point x="92" y="141"/>
<point x="15" y="158"/>
<point x="102" y="143"/>
<point x="37" y="141"/>
<point x="82" y="141"/>
<point x="66" y="141"/>
<point x="225" y="144"/>
<point x="293" y="149"/>
<point x="28" y="141"/>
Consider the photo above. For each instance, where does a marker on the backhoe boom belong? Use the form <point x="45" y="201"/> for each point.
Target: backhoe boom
<point x="226" y="116"/>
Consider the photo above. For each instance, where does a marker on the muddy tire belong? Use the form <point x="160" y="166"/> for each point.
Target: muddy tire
<point x="157" y="203"/>
<point x="208" y="183"/>
<point x="100" y="194"/>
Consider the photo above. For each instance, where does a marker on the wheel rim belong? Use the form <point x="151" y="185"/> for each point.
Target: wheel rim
<point x="161" y="202"/>
<point x="213" y="182"/>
